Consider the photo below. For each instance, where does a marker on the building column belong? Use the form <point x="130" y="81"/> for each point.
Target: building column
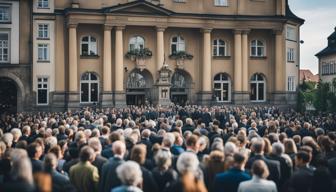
<point x="107" y="67"/>
<point x="159" y="47"/>
<point x="206" y="91"/>
<point x="73" y="71"/>
<point x="119" y="94"/>
<point x="73" y="93"/>
<point x="279" y="62"/>
<point x="238" y="71"/>
<point x="245" y="55"/>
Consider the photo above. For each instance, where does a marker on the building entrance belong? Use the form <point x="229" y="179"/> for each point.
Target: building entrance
<point x="8" y="96"/>
<point x="138" y="90"/>
<point x="179" y="99"/>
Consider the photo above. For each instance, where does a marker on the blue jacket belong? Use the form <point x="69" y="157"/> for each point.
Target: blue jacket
<point x="230" y="180"/>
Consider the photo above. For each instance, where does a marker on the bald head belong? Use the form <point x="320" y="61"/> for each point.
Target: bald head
<point x="119" y="148"/>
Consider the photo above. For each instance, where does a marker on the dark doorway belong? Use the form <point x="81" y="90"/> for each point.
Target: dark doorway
<point x="8" y="96"/>
<point x="136" y="100"/>
<point x="179" y="99"/>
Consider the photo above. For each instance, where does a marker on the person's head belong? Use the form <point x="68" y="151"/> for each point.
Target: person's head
<point x="168" y="140"/>
<point x="138" y="153"/>
<point x="26" y="130"/>
<point x="290" y="146"/>
<point x="7" y="138"/>
<point x="302" y="158"/>
<point x="2" y="148"/>
<point x="21" y="166"/>
<point x="130" y="174"/>
<point x="57" y="151"/>
<point x="87" y="154"/>
<point x="187" y="162"/>
<point x="260" y="169"/>
<point x="163" y="159"/>
<point x="50" y="162"/>
<point x="230" y="148"/>
<point x="95" y="144"/>
<point x="192" y="143"/>
<point x="278" y="149"/>
<point x="16" y="134"/>
<point x="145" y="133"/>
<point x="119" y="148"/>
<point x="35" y="150"/>
<point x="258" y="146"/>
<point x="239" y="160"/>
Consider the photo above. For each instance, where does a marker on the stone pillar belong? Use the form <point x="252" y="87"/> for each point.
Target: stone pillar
<point x="159" y="47"/>
<point x="107" y="69"/>
<point x="237" y="67"/>
<point x="73" y="71"/>
<point x="73" y="94"/>
<point x="206" y="93"/>
<point x="119" y="93"/>
<point x="245" y="67"/>
<point x="279" y="94"/>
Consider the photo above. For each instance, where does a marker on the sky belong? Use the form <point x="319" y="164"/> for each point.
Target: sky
<point x="320" y="21"/>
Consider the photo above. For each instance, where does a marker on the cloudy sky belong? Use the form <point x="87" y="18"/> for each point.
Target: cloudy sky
<point x="320" y="16"/>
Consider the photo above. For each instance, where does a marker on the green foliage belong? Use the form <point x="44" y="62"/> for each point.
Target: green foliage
<point x="139" y="54"/>
<point x="322" y="96"/>
<point x="181" y="55"/>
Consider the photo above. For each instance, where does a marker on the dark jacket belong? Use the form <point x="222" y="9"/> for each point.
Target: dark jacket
<point x="99" y="162"/>
<point x="230" y="180"/>
<point x="149" y="184"/>
<point x="109" y="178"/>
<point x="301" y="180"/>
<point x="164" y="178"/>
<point x="61" y="182"/>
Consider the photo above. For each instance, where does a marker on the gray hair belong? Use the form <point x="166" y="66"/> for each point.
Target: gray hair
<point x="187" y="162"/>
<point x="21" y="166"/>
<point x="51" y="141"/>
<point x="16" y="133"/>
<point x="278" y="148"/>
<point x="8" y="139"/>
<point x="129" y="173"/>
<point x="168" y="140"/>
<point x="230" y="148"/>
<point x="95" y="144"/>
<point x="163" y="159"/>
<point x="179" y="123"/>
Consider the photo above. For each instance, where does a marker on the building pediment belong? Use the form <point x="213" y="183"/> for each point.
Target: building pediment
<point x="138" y="7"/>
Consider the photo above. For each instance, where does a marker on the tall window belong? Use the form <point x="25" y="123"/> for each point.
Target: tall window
<point x="136" y="42"/>
<point x="177" y="44"/>
<point x="222" y="87"/>
<point x="291" y="83"/>
<point x="43" y="31"/>
<point x="4" y="14"/>
<point x="4" y="47"/>
<point x="219" y="48"/>
<point x="42" y="91"/>
<point x="43" y="52"/>
<point x="291" y="33"/>
<point x="221" y="3"/>
<point x="257" y="48"/>
<point x="89" y="88"/>
<point x="43" y="4"/>
<point x="258" y="88"/>
<point x="290" y="55"/>
<point x="88" y="46"/>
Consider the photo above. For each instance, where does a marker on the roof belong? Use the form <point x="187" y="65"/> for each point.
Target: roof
<point x="306" y="74"/>
<point x="331" y="48"/>
<point x="291" y="16"/>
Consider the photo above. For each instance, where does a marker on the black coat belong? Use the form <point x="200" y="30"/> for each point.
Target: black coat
<point x="300" y="181"/>
<point x="164" y="178"/>
<point x="99" y="162"/>
<point x="149" y="184"/>
<point x="61" y="182"/>
<point x="286" y="168"/>
<point x="109" y="178"/>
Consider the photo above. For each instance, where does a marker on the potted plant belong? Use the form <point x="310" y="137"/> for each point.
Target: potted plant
<point x="139" y="56"/>
<point x="180" y="56"/>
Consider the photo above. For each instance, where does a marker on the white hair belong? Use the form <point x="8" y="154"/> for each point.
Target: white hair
<point x="8" y="139"/>
<point x="95" y="144"/>
<point x="278" y="148"/>
<point x="51" y="141"/>
<point x="230" y="148"/>
<point x="163" y="158"/>
<point x="130" y="173"/>
<point x="21" y="166"/>
<point x="186" y="162"/>
<point x="168" y="139"/>
<point x="16" y="133"/>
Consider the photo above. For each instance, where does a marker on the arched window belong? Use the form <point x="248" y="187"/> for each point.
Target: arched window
<point x="222" y="88"/>
<point x="136" y="81"/>
<point x="89" y="88"/>
<point x="257" y="48"/>
<point x="219" y="48"/>
<point x="136" y="42"/>
<point x="88" y="46"/>
<point x="177" y="44"/>
<point x="258" y="88"/>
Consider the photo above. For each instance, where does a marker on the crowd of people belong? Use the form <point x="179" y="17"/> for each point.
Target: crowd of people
<point x="154" y="149"/>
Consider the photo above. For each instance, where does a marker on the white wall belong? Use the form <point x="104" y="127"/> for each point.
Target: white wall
<point x="292" y="68"/>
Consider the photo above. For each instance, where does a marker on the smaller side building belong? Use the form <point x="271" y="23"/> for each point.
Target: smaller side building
<point x="327" y="60"/>
<point x="307" y="75"/>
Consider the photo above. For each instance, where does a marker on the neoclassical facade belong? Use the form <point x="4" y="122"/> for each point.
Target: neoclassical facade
<point x="327" y="61"/>
<point x="113" y="52"/>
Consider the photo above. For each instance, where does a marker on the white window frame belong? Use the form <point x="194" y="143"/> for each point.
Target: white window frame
<point x="221" y="3"/>
<point x="180" y="44"/>
<point x="137" y="41"/>
<point x="3" y="42"/>
<point x="179" y="1"/>
<point x="291" y="84"/>
<point x="216" y="47"/>
<point x="42" y="83"/>
<point x="45" y="52"/>
<point x="4" y="14"/>
<point x="92" y="46"/>
<point x="291" y="33"/>
<point x="222" y="83"/>
<point x="43" y="31"/>
<point x="255" y="44"/>
<point x="43" y="4"/>
<point x="290" y="55"/>
<point x="89" y="82"/>
<point x="258" y="82"/>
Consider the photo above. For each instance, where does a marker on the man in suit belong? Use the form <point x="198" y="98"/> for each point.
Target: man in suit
<point x="109" y="177"/>
<point x="84" y="176"/>
<point x="229" y="180"/>
<point x="258" y="146"/>
<point x="99" y="161"/>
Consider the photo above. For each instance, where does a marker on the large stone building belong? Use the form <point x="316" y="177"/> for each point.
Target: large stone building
<point x="118" y="52"/>
<point x="327" y="61"/>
